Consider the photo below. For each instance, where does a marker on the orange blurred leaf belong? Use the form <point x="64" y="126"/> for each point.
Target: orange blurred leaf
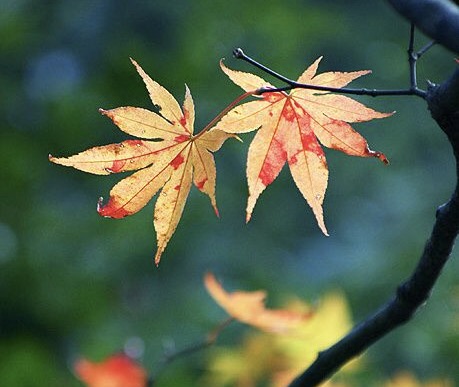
<point x="290" y="128"/>
<point x="279" y="358"/>
<point x="115" y="371"/>
<point x="170" y="161"/>
<point x="249" y="308"/>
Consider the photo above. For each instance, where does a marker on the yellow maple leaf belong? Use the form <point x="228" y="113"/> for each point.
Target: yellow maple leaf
<point x="249" y="308"/>
<point x="168" y="156"/>
<point x="290" y="127"/>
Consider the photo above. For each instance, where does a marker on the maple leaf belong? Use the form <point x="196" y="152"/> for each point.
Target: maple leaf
<point x="279" y="358"/>
<point x="249" y="308"/>
<point x="290" y="128"/>
<point x="115" y="371"/>
<point x="168" y="155"/>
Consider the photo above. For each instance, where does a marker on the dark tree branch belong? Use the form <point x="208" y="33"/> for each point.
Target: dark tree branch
<point x="438" y="19"/>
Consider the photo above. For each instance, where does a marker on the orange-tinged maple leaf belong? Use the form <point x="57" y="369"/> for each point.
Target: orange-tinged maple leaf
<point x="168" y="155"/>
<point x="249" y="308"/>
<point x="290" y="128"/>
<point x="115" y="371"/>
<point x="281" y="357"/>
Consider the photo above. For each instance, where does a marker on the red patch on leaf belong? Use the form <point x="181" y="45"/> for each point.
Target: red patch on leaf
<point x="272" y="97"/>
<point x="178" y="160"/>
<point x="273" y="163"/>
<point x="200" y="184"/>
<point x="112" y="209"/>
<point x="182" y="138"/>
<point x="177" y="187"/>
<point x="308" y="138"/>
<point x="134" y="142"/>
<point x="267" y="174"/>
<point x="288" y="112"/>
<point x="117" y="166"/>
<point x="310" y="143"/>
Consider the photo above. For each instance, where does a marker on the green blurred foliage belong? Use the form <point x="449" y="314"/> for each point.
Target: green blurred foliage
<point x="72" y="283"/>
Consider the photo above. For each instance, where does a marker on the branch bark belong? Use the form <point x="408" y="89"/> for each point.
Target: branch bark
<point x="443" y="103"/>
<point x="438" y="19"/>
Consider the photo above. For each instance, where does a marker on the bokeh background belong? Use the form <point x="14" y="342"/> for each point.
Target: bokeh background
<point x="74" y="284"/>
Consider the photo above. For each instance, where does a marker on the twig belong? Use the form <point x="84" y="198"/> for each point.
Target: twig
<point x="209" y="340"/>
<point x="413" y="57"/>
<point x="412" y="90"/>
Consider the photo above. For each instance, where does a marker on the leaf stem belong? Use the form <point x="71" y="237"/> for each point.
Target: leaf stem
<point x="226" y="110"/>
<point x="412" y="90"/>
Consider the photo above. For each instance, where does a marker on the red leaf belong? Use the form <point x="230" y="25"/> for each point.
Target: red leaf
<point x="115" y="371"/>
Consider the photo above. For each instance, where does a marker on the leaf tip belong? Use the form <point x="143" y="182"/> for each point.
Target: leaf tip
<point x="217" y="213"/>
<point x="385" y="115"/>
<point x="158" y="257"/>
<point x="208" y="278"/>
<point x="381" y="156"/>
<point x="235" y="137"/>
<point x="58" y="160"/>
<point x="112" y="209"/>
<point x="323" y="228"/>
<point x="103" y="112"/>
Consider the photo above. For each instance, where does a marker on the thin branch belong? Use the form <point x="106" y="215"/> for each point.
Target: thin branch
<point x="426" y="48"/>
<point x="413" y="90"/>
<point x="208" y="341"/>
<point x="412" y="59"/>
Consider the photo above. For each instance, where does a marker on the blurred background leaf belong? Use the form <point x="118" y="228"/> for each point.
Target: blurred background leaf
<point x="72" y="283"/>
